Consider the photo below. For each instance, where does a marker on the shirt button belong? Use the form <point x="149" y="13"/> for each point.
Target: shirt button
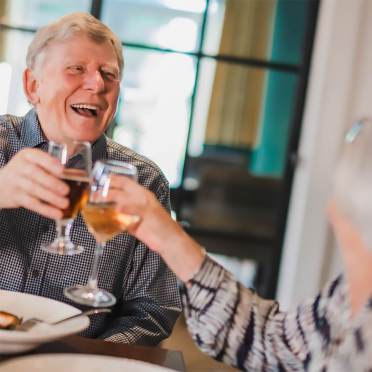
<point x="35" y="273"/>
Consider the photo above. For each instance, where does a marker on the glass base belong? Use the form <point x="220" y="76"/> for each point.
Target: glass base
<point x="94" y="297"/>
<point x="62" y="247"/>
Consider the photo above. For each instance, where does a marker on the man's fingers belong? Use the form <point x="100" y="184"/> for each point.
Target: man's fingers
<point x="45" y="195"/>
<point x="37" y="206"/>
<point x="39" y="176"/>
<point x="43" y="160"/>
<point x="31" y="180"/>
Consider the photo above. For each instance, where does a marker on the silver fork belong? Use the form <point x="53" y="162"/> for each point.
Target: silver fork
<point x="30" y="323"/>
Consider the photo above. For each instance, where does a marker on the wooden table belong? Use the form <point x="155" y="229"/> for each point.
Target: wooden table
<point x="81" y="345"/>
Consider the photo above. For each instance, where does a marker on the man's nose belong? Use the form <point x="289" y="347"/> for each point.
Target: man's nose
<point x="94" y="81"/>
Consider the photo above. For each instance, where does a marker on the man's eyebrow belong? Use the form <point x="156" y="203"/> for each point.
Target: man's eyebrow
<point x="111" y="67"/>
<point x="69" y="61"/>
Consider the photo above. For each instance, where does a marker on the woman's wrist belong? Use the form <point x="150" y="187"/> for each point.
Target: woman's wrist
<point x="183" y="255"/>
<point x="162" y="234"/>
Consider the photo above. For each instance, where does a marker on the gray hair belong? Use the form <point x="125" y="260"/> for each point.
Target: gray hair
<point x="353" y="179"/>
<point x="71" y="25"/>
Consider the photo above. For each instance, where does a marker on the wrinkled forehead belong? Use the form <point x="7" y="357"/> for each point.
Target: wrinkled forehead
<point x="78" y="47"/>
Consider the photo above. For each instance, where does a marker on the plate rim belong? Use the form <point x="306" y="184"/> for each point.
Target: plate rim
<point x="20" y="337"/>
<point x="85" y="355"/>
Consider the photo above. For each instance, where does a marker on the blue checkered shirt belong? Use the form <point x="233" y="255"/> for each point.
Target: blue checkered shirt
<point x="147" y="292"/>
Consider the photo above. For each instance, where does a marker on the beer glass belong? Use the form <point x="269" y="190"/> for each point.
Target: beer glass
<point x="76" y="156"/>
<point x="104" y="221"/>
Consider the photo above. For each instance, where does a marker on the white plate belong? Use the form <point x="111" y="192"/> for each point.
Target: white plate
<point x="77" y="363"/>
<point x="29" y="306"/>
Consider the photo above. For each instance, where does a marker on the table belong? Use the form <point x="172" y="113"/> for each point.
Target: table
<point x="82" y="345"/>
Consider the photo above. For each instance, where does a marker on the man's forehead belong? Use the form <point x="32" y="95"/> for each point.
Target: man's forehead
<point x="81" y="49"/>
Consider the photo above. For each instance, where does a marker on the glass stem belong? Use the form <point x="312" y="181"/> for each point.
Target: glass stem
<point x="63" y="229"/>
<point x="92" y="282"/>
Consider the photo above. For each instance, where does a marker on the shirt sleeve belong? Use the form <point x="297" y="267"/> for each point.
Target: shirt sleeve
<point x="233" y="324"/>
<point x="352" y="352"/>
<point x="151" y="302"/>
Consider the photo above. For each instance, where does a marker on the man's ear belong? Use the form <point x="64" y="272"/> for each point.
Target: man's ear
<point x="30" y="85"/>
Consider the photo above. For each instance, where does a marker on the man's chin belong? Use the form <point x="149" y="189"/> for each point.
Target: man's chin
<point x="84" y="133"/>
<point x="85" y="138"/>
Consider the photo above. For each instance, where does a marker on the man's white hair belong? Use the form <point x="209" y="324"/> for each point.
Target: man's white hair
<point x="73" y="24"/>
<point x="353" y="179"/>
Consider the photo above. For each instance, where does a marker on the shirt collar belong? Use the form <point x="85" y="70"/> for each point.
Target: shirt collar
<point x="99" y="149"/>
<point x="31" y="135"/>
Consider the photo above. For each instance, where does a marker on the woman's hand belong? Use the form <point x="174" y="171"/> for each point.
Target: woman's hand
<point x="356" y="256"/>
<point x="156" y="227"/>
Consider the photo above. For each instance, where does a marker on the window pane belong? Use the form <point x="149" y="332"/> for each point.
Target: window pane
<point x="244" y="109"/>
<point x="270" y="30"/>
<point x="153" y="114"/>
<point x="12" y="64"/>
<point x="36" y="13"/>
<point x="173" y="24"/>
<point x="238" y="148"/>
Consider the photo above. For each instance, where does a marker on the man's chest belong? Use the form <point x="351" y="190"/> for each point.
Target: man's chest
<point x="25" y="267"/>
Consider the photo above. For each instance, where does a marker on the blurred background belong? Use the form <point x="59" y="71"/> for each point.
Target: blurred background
<point x="243" y="105"/>
<point x="210" y="93"/>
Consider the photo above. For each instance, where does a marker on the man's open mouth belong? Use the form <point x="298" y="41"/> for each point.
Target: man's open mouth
<point x="85" y="109"/>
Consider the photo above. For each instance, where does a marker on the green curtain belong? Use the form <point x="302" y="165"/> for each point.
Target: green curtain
<point x="268" y="157"/>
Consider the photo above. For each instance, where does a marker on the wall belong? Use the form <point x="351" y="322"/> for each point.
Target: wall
<point x="339" y="92"/>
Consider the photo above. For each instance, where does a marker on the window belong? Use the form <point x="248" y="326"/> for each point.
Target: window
<point x="37" y="13"/>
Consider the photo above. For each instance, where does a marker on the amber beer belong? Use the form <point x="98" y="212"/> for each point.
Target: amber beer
<point x="78" y="182"/>
<point x="105" y="221"/>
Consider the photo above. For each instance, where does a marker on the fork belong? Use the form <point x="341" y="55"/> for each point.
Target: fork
<point x="30" y="323"/>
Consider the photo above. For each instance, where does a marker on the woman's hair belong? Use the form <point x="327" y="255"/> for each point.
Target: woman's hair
<point x="353" y="179"/>
<point x="72" y="25"/>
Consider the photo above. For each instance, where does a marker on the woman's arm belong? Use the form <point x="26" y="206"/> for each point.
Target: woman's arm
<point x="233" y="324"/>
<point x="229" y="322"/>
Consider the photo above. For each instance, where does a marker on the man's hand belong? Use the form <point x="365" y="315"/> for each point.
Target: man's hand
<point x="31" y="180"/>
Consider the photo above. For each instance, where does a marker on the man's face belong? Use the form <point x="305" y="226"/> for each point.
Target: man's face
<point x="75" y="89"/>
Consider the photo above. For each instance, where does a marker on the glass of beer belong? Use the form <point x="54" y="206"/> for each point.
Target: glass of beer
<point x="76" y="156"/>
<point x="104" y="222"/>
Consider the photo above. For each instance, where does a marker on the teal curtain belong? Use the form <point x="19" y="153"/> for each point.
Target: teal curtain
<point x="268" y="157"/>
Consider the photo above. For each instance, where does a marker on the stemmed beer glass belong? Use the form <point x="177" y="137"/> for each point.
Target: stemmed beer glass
<point x="76" y="156"/>
<point x="104" y="221"/>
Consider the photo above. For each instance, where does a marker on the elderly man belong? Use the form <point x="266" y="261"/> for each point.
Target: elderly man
<point x="72" y="80"/>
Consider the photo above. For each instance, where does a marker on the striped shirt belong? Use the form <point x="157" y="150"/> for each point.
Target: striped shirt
<point x="234" y="325"/>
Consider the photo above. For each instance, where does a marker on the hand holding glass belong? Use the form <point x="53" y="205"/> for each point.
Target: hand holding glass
<point x="104" y="221"/>
<point x="76" y="175"/>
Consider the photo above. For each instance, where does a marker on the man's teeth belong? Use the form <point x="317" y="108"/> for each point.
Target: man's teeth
<point x="85" y="109"/>
<point x="85" y="106"/>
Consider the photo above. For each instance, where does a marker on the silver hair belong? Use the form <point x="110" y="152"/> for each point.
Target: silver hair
<point x="71" y="25"/>
<point x="353" y="179"/>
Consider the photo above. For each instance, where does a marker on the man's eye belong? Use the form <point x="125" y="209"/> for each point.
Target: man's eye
<point x="76" y="69"/>
<point x="108" y="75"/>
